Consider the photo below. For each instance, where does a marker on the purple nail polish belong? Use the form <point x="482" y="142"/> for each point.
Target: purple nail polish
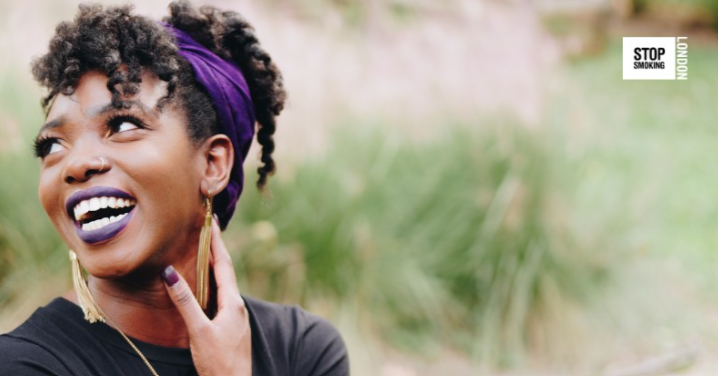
<point x="170" y="276"/>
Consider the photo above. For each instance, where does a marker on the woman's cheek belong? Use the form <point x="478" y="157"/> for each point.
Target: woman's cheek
<point x="48" y="193"/>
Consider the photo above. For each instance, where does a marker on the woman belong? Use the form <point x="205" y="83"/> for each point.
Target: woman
<point x="147" y="127"/>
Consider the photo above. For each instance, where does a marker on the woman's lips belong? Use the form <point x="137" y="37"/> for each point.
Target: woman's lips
<point x="105" y="233"/>
<point x="100" y="213"/>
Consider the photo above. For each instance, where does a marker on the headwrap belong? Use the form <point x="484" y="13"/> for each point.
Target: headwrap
<point x="228" y="90"/>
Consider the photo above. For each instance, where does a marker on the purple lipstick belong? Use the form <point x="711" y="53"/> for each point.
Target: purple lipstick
<point x="100" y="213"/>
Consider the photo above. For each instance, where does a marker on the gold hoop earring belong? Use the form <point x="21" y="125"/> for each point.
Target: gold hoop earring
<point x="205" y="238"/>
<point x="92" y="311"/>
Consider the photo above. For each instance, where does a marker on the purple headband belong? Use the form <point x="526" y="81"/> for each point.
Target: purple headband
<point x="230" y="96"/>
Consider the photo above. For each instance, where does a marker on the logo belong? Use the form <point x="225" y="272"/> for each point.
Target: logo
<point x="663" y="58"/>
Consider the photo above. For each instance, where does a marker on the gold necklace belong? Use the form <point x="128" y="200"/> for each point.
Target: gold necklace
<point x="144" y="359"/>
<point x="92" y="310"/>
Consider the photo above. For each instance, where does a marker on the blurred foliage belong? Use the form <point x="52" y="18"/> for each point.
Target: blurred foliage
<point x="29" y="245"/>
<point x="579" y="33"/>
<point x="360" y="12"/>
<point x="655" y="149"/>
<point x="682" y="12"/>
<point x="462" y="239"/>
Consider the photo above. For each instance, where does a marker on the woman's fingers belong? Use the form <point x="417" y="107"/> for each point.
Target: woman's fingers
<point x="223" y="268"/>
<point x="223" y="345"/>
<point x="184" y="300"/>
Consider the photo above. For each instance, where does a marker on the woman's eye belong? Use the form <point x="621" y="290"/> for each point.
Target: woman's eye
<point x="54" y="148"/>
<point x="45" y="146"/>
<point x="125" y="126"/>
<point x="123" y="123"/>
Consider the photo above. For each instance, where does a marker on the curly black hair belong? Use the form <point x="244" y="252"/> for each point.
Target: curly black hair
<point x="121" y="45"/>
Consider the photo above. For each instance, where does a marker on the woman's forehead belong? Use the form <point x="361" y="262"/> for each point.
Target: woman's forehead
<point x="91" y="95"/>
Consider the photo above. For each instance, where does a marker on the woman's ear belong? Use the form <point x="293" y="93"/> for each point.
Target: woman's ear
<point x="219" y="157"/>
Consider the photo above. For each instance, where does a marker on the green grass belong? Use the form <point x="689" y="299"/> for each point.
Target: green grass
<point x="646" y="176"/>
<point x="32" y="256"/>
<point x="696" y="10"/>
<point x="459" y="239"/>
<point x="652" y="154"/>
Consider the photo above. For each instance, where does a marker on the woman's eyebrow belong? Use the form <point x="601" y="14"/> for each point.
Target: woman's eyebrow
<point x="129" y="104"/>
<point x="52" y="124"/>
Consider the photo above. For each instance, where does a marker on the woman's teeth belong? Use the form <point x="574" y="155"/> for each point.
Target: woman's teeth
<point x="82" y="209"/>
<point x="100" y="223"/>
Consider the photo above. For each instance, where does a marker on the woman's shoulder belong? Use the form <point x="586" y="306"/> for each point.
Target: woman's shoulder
<point x="303" y="342"/>
<point x="21" y="356"/>
<point x="45" y="321"/>
<point x="25" y="350"/>
<point x="275" y="315"/>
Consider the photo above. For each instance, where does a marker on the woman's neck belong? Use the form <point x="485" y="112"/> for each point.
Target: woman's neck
<point x="144" y="310"/>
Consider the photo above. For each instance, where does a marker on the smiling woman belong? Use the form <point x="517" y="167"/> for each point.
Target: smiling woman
<point x="92" y="151"/>
<point x="148" y="125"/>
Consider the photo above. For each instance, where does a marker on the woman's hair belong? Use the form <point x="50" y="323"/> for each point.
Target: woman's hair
<point x="121" y="45"/>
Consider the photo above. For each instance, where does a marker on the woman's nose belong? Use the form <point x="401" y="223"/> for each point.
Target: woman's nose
<point x="84" y="166"/>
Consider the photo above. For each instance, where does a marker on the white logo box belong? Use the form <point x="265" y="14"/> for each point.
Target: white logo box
<point x="667" y="44"/>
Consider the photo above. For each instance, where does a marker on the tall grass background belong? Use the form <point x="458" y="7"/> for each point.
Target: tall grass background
<point x="460" y="240"/>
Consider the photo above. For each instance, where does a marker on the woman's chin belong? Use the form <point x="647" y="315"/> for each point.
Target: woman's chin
<point x="110" y="266"/>
<point x="112" y="260"/>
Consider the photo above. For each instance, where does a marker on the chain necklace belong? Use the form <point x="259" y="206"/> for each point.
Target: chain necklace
<point x="93" y="312"/>
<point x="117" y="328"/>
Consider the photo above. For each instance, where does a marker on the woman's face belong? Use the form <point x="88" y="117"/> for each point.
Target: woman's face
<point x="121" y="186"/>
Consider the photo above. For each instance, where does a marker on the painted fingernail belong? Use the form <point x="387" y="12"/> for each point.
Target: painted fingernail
<point x="216" y="217"/>
<point x="170" y="276"/>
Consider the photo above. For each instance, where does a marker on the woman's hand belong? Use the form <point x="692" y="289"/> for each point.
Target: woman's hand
<point x="221" y="346"/>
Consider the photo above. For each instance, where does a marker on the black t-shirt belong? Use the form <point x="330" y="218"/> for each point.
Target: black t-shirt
<point x="56" y="340"/>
